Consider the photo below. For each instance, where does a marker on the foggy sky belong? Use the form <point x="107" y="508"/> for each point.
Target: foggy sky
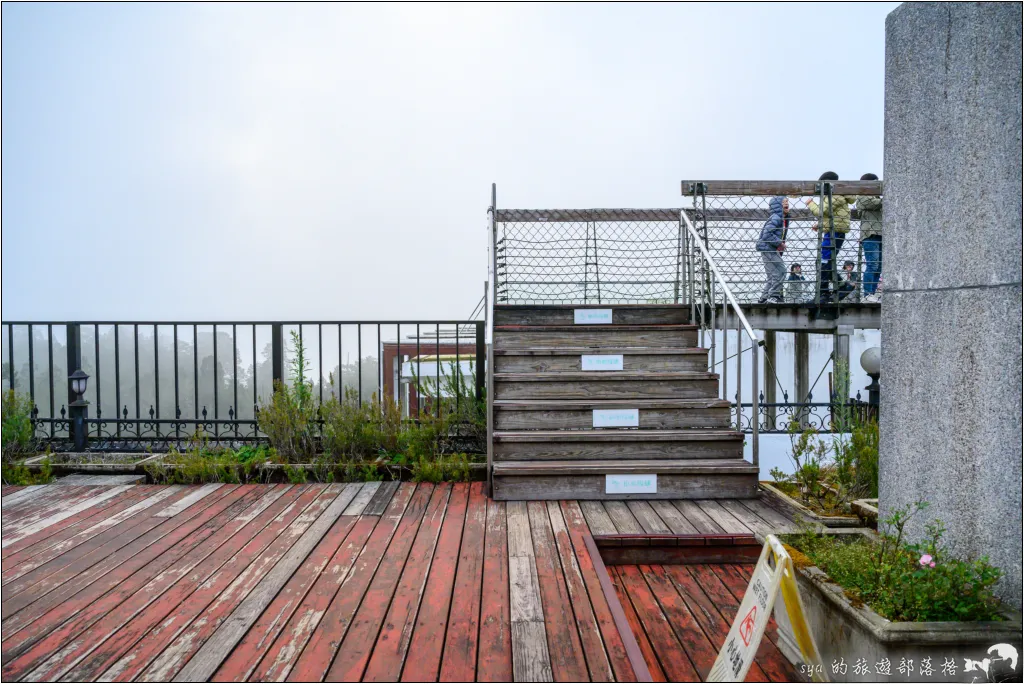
<point x="230" y="162"/>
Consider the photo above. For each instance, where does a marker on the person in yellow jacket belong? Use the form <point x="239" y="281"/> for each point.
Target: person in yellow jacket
<point x="835" y="219"/>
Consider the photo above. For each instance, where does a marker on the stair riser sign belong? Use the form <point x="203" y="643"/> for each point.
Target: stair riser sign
<point x="630" y="484"/>
<point x="592" y="316"/>
<point x="601" y="362"/>
<point x="616" y="418"/>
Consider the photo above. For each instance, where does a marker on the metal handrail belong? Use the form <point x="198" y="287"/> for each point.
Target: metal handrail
<point x="491" y="296"/>
<point x="742" y="324"/>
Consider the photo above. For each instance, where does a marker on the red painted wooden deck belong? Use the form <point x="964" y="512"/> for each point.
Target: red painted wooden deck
<point x="371" y="582"/>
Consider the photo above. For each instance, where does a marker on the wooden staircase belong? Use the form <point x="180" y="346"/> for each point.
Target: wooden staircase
<point x="670" y="436"/>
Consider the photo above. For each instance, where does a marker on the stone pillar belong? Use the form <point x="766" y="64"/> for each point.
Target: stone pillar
<point x="841" y="350"/>
<point x="951" y="307"/>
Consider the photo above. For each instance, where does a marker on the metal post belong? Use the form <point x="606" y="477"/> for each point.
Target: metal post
<point x="277" y="352"/>
<point x="819" y="231"/>
<point x="739" y="372"/>
<point x="481" y="353"/>
<point x="74" y="351"/>
<point x="802" y="374"/>
<point x="712" y="300"/>
<point x="78" y="409"/>
<point x="841" y="358"/>
<point x="725" y="347"/>
<point x="770" y="398"/>
<point x="756" y="406"/>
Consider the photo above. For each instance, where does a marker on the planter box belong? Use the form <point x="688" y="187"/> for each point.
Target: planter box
<point x="788" y="503"/>
<point x="845" y="634"/>
<point x="866" y="510"/>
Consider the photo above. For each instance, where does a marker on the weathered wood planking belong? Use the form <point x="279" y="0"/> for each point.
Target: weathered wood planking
<point x="260" y="638"/>
<point x="568" y="662"/>
<point x="531" y="660"/>
<point x="56" y="650"/>
<point x="563" y="314"/>
<point x="494" y="657"/>
<point x="124" y="571"/>
<point x="315" y="659"/>
<point x="161" y="653"/>
<point x="22" y="533"/>
<point x="618" y="385"/>
<point x="458" y="662"/>
<point x="362" y="498"/>
<point x="203" y="664"/>
<point x="595" y="578"/>
<point x="644" y="644"/>
<point x="355" y="649"/>
<point x="392" y="644"/>
<point x="423" y="658"/>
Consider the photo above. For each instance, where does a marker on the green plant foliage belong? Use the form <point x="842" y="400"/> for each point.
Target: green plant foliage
<point x="907" y="582"/>
<point x="16" y="415"/>
<point x="290" y="419"/>
<point x="454" y="468"/>
<point x="18" y="475"/>
<point x="200" y="464"/>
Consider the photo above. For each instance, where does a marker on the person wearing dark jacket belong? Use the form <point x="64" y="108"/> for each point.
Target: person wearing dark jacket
<point x="771" y="244"/>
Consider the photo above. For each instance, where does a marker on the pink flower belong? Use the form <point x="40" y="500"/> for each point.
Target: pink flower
<point x="932" y="564"/>
<point x="926" y="560"/>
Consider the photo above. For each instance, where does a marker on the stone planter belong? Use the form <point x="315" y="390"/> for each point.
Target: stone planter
<point x="847" y="635"/>
<point x="788" y="503"/>
<point x="866" y="510"/>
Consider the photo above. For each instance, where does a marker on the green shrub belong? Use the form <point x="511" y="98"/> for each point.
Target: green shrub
<point x="16" y="410"/>
<point x="200" y="464"/>
<point x="290" y="419"/>
<point x="18" y="475"/>
<point x="907" y="582"/>
<point x="453" y="468"/>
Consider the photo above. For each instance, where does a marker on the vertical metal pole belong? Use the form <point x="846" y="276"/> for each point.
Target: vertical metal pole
<point x="819" y="232"/>
<point x="801" y="372"/>
<point x="277" y="352"/>
<point x="74" y="352"/>
<point x="49" y="337"/>
<point x="359" y="360"/>
<point x="31" y="367"/>
<point x="739" y="372"/>
<point x="10" y="355"/>
<point x="156" y="373"/>
<point x="419" y="371"/>
<point x="138" y="403"/>
<point x="99" y="396"/>
<point x="195" y="369"/>
<point x="704" y="325"/>
<point x="117" y="376"/>
<point x="770" y="398"/>
<point x="755" y="437"/>
<point x="234" y="375"/>
<point x="481" y="352"/>
<point x="725" y="347"/>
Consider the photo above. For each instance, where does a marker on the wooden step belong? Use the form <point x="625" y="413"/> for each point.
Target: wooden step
<point x="606" y="385"/>
<point x="617" y="444"/>
<point x="577" y="414"/>
<point x="593" y="336"/>
<point x="570" y="359"/>
<point x="680" y="479"/>
<point x="563" y="314"/>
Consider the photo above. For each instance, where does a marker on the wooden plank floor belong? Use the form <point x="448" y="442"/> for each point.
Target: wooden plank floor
<point x="681" y="614"/>
<point x="350" y="582"/>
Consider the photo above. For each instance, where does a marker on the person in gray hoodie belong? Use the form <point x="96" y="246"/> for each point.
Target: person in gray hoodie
<point x="771" y="244"/>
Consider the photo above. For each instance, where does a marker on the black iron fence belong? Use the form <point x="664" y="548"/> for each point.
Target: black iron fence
<point x="776" y="418"/>
<point x="154" y="384"/>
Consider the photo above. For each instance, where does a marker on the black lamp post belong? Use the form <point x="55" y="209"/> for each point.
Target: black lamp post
<point x="79" y="410"/>
<point x="871" y="362"/>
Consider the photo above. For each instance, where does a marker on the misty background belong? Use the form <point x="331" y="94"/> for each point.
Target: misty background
<point x="201" y="162"/>
<point x="326" y="162"/>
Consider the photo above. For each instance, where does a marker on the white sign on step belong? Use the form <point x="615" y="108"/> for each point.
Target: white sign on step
<point x="616" y="418"/>
<point x="600" y="362"/>
<point x="766" y="582"/>
<point x="630" y="484"/>
<point x="592" y="316"/>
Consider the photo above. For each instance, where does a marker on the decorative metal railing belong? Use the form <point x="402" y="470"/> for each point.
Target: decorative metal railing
<point x="155" y="384"/>
<point x="729" y="215"/>
<point x="578" y="256"/>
